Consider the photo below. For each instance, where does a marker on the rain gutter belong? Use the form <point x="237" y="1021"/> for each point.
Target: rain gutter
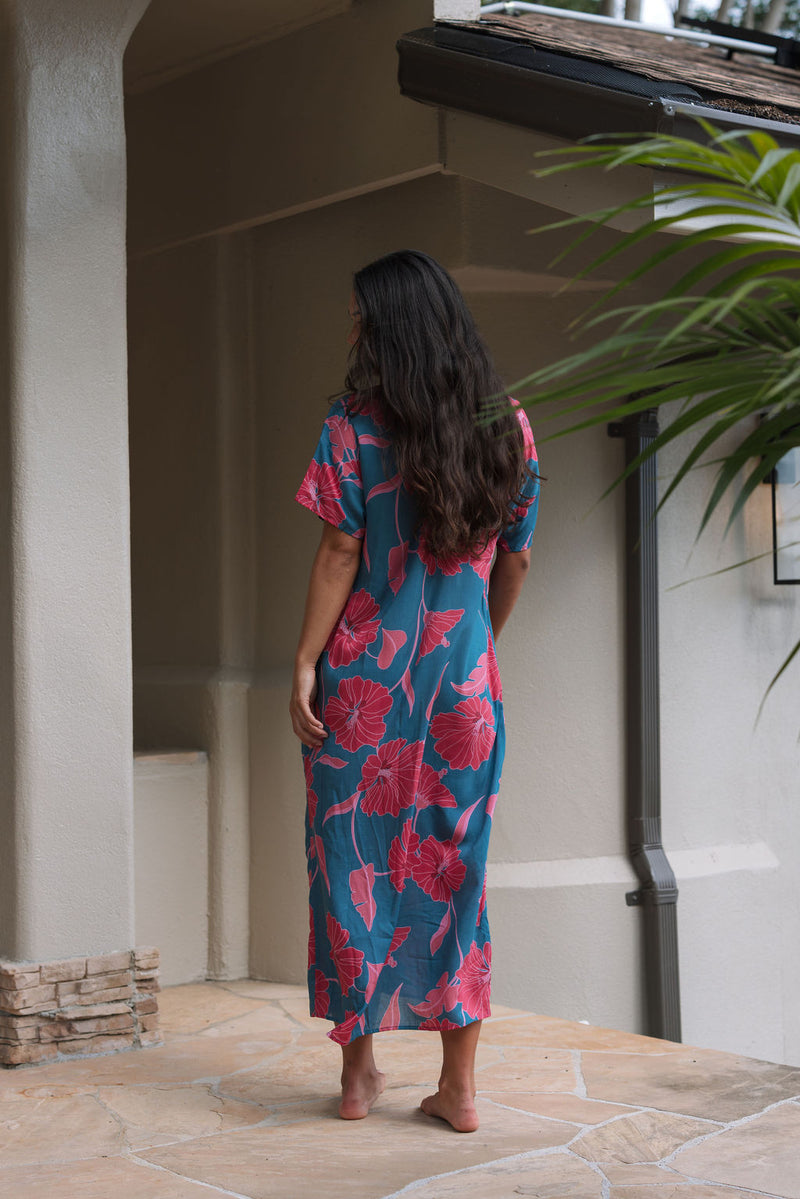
<point x="657" y="894"/>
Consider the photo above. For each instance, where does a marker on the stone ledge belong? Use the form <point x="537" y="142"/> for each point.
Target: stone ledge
<point x="96" y="1004"/>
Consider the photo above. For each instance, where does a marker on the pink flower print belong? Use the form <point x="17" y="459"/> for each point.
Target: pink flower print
<point x="436" y="625"/>
<point x="398" y="555"/>
<point x="476" y="977"/>
<point x="342" y="1034"/>
<point x="438" y="869"/>
<point x="312" y="806"/>
<point x="437" y="1024"/>
<point x="322" y="1000"/>
<point x="399" y="937"/>
<point x="482" y="562"/>
<point x="464" y="737"/>
<point x="343" y="438"/>
<point x="391" y="1017"/>
<point x="347" y="960"/>
<point x="362" y="881"/>
<point x="388" y="778"/>
<point x="493" y="672"/>
<point x="447" y="566"/>
<point x="482" y="903"/>
<point x="485" y="674"/>
<point x="355" y="714"/>
<point x="443" y="998"/>
<point x="401" y="851"/>
<point x="357" y="628"/>
<point x="312" y="941"/>
<point x="321" y="491"/>
<point x="393" y="641"/>
<point x="431" y="789"/>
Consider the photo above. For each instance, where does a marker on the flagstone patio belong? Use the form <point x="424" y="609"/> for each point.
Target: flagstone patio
<point x="240" y="1099"/>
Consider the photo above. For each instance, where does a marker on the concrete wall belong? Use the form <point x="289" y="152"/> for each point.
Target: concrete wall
<point x="243" y="251"/>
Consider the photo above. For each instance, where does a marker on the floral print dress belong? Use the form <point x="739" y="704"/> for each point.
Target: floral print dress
<point x="401" y="793"/>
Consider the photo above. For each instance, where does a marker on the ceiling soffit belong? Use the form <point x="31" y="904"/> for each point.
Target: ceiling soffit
<point x="177" y="36"/>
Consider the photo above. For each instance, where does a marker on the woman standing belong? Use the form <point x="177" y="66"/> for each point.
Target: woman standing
<point x="396" y="694"/>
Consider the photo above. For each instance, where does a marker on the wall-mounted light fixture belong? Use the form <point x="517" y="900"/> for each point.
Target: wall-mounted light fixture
<point x="785" y="482"/>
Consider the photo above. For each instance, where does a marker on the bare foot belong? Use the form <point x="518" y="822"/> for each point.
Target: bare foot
<point x="359" y="1092"/>
<point x="456" y="1107"/>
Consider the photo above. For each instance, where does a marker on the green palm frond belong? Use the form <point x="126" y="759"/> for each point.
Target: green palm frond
<point x="724" y="340"/>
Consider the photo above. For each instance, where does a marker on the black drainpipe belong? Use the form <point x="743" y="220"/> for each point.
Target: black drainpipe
<point x="657" y="894"/>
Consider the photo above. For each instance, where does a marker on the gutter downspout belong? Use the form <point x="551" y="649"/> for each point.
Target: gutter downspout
<point x="658" y="893"/>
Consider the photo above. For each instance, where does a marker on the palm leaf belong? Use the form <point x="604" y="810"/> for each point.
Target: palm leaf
<point x="724" y="339"/>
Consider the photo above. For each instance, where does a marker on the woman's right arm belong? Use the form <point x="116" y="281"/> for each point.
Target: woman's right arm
<point x="505" y="584"/>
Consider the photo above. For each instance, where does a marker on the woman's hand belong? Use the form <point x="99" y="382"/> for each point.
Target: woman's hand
<point x="307" y="727"/>
<point x="332" y="576"/>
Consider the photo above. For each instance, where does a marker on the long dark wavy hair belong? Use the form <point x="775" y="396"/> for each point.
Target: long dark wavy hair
<point x="421" y="358"/>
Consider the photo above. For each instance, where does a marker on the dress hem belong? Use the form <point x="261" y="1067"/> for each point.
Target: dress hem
<point x="400" y="1027"/>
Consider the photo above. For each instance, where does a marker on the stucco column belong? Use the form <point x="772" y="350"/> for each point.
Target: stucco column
<point x="66" y="851"/>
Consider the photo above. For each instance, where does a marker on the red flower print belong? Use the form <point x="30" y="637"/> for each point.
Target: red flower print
<point x="476" y="977"/>
<point x="464" y="737"/>
<point x="389" y="777"/>
<point x="321" y="491"/>
<point x="347" y="960"/>
<point x="342" y="1034"/>
<point x="312" y="806"/>
<point x="447" y="566"/>
<point x="402" y="849"/>
<point x="443" y="998"/>
<point x="357" y="628"/>
<point x="438" y="869"/>
<point x="436" y="625"/>
<point x="431" y="790"/>
<point x="355" y="714"/>
<point x="322" y="1000"/>
<point x="436" y="1024"/>
<point x="312" y="944"/>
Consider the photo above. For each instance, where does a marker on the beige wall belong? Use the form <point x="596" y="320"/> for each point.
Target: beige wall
<point x="237" y="338"/>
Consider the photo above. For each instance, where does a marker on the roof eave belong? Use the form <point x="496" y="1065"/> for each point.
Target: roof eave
<point x="566" y="108"/>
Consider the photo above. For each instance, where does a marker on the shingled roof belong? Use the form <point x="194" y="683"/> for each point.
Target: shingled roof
<point x="744" y="83"/>
<point x="570" y="77"/>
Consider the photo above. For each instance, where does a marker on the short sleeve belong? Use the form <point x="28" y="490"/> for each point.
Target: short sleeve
<point x="332" y="486"/>
<point x="518" y="533"/>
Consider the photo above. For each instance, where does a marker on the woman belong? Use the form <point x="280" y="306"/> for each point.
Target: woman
<point x="396" y="695"/>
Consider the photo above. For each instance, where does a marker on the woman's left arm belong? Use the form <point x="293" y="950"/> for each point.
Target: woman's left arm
<point x="332" y="576"/>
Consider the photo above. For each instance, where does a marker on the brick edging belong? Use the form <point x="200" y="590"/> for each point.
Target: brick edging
<point x="87" y="1005"/>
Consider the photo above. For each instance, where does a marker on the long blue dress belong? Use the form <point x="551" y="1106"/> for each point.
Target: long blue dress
<point x="401" y="793"/>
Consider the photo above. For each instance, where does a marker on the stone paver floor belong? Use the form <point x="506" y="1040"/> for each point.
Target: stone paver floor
<point x="240" y="1100"/>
